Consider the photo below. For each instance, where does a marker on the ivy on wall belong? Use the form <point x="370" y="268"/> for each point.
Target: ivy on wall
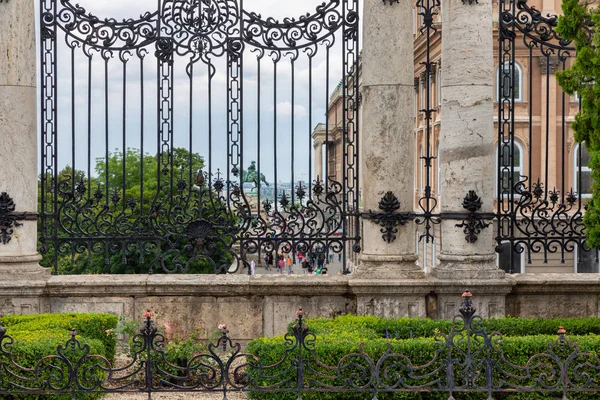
<point x="583" y="78"/>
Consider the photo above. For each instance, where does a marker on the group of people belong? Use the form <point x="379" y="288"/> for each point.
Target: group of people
<point x="314" y="262"/>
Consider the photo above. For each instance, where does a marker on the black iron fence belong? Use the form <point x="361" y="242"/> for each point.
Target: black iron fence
<point x="466" y="360"/>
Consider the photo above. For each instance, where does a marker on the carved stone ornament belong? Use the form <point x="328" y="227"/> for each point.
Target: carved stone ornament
<point x="474" y="223"/>
<point x="548" y="64"/>
<point x="470" y="1"/>
<point x="389" y="219"/>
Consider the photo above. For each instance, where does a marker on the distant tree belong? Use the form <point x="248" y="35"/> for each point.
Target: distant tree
<point x="137" y="205"/>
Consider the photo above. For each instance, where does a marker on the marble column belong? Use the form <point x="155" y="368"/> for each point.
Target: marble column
<point x="387" y="151"/>
<point x="467" y="137"/>
<point x="18" y="136"/>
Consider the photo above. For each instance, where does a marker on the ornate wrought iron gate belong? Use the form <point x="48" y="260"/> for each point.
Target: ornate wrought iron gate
<point x="542" y="182"/>
<point x="183" y="92"/>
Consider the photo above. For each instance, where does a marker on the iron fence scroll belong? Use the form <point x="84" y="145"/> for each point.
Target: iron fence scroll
<point x="466" y="360"/>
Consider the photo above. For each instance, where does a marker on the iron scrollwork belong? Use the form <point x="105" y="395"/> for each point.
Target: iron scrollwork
<point x="389" y="219"/>
<point x="474" y="223"/>
<point x="467" y="359"/>
<point x="8" y="217"/>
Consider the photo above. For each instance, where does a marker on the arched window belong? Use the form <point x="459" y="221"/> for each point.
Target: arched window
<point x="582" y="174"/>
<point x="507" y="77"/>
<point x="518" y="163"/>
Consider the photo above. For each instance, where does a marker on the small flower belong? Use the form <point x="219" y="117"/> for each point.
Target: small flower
<point x="109" y="332"/>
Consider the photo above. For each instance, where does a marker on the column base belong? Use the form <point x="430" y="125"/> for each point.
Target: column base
<point x="22" y="267"/>
<point x="480" y="267"/>
<point x="388" y="267"/>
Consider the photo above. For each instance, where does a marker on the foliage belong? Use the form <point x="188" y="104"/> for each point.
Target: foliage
<point x="583" y="78"/>
<point x="93" y="326"/>
<point x="178" y="346"/>
<point x="131" y="199"/>
<point x="522" y="338"/>
<point x="404" y="328"/>
<point x="38" y="336"/>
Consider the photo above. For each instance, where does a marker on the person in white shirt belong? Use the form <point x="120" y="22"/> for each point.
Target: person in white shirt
<point x="252" y="267"/>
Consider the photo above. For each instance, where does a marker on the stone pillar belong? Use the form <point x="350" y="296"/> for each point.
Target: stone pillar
<point x="387" y="151"/>
<point x="318" y="174"/>
<point x="467" y="138"/>
<point x="18" y="136"/>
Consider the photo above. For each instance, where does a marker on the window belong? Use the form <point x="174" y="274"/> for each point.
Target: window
<point x="507" y="77"/>
<point x="423" y="94"/>
<point x="438" y="87"/>
<point x="434" y="253"/>
<point x="582" y="172"/>
<point x="508" y="255"/>
<point x="421" y="171"/>
<point x="417" y="246"/>
<point x="439" y="172"/>
<point x="506" y="186"/>
<point x="586" y="262"/>
<point x="576" y="97"/>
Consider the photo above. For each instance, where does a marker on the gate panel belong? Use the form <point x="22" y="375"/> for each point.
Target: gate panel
<point x="180" y="141"/>
<point x="540" y="202"/>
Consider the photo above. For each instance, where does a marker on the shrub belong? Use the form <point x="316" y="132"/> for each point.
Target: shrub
<point x="37" y="336"/>
<point x="92" y="326"/>
<point x="374" y="327"/>
<point x="336" y="338"/>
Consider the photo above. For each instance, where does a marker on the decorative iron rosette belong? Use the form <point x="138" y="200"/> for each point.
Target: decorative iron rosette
<point x="389" y="219"/>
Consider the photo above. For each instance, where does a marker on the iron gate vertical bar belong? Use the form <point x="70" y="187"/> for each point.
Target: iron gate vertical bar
<point x="345" y="122"/>
<point x="310" y="127"/>
<point x="47" y="126"/>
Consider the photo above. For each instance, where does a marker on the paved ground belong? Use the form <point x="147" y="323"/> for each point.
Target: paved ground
<point x="334" y="269"/>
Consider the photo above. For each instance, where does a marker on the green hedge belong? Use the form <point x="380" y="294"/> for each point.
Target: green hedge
<point x="38" y="336"/>
<point x="343" y="335"/>
<point x="420" y="351"/>
<point x="374" y="327"/>
<point x="93" y="326"/>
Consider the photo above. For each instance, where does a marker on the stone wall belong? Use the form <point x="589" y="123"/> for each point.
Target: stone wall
<point x="265" y="305"/>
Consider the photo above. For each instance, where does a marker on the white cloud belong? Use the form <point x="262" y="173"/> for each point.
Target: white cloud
<point x="284" y="109"/>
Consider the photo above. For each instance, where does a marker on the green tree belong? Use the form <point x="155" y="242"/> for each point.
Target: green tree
<point x="136" y="206"/>
<point x="583" y="78"/>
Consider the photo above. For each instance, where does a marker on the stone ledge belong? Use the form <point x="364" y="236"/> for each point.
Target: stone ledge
<point x="555" y="283"/>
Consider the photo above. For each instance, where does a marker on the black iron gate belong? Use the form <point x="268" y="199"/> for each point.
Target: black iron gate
<point x="543" y="178"/>
<point x="182" y="140"/>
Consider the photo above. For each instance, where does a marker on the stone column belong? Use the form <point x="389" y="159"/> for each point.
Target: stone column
<point x="18" y="137"/>
<point x="387" y="151"/>
<point x="467" y="138"/>
<point x="318" y="173"/>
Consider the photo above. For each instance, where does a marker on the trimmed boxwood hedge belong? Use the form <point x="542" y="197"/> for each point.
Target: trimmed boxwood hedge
<point x="38" y="336"/>
<point x="343" y="335"/>
<point x="93" y="326"/>
<point x="376" y="327"/>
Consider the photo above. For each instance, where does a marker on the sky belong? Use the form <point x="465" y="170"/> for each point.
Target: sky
<point x="125" y="101"/>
